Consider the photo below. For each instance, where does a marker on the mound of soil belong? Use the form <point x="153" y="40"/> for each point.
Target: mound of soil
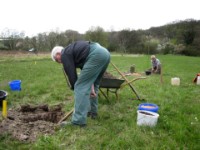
<point x="27" y="122"/>
<point x="108" y="75"/>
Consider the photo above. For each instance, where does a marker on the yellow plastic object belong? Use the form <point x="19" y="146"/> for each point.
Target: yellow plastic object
<point x="4" y="110"/>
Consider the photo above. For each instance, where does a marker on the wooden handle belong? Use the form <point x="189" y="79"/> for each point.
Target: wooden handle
<point x="68" y="83"/>
<point x="120" y="72"/>
<point x="126" y="81"/>
<point x="132" y="81"/>
<point x="66" y="116"/>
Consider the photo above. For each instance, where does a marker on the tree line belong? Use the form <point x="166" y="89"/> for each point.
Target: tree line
<point x="179" y="37"/>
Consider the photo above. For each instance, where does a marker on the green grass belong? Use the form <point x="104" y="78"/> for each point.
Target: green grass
<point x="178" y="126"/>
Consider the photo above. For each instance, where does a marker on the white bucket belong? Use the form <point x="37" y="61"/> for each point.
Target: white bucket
<point x="175" y="81"/>
<point x="147" y="118"/>
<point x="198" y="80"/>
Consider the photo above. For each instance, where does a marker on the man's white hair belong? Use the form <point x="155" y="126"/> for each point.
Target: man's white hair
<point x="153" y="56"/>
<point x="56" y="50"/>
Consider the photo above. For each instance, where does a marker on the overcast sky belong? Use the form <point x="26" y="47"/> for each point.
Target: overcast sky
<point x="38" y="16"/>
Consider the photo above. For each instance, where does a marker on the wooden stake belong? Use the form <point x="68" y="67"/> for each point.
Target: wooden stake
<point x="4" y="110"/>
<point x="161" y="75"/>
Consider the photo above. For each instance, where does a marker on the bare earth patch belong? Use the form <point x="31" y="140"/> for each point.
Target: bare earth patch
<point x="27" y="122"/>
<point x="109" y="76"/>
<point x="23" y="54"/>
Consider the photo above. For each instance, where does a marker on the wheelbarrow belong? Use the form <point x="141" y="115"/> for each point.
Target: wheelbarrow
<point x="112" y="85"/>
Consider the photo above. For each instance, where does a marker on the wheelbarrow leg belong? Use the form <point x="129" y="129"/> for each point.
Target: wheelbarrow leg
<point x="116" y="93"/>
<point x="107" y="92"/>
<point x="104" y="94"/>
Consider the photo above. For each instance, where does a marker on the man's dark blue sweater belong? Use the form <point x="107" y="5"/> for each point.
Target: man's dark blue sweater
<point x="74" y="56"/>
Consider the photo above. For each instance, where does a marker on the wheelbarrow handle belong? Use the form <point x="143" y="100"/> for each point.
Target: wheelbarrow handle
<point x="132" y="81"/>
<point x="126" y="80"/>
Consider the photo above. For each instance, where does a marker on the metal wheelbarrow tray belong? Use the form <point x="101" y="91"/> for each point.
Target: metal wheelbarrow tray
<point x="110" y="84"/>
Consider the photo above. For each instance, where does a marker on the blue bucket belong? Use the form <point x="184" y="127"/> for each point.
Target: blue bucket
<point x="15" y="85"/>
<point x="148" y="107"/>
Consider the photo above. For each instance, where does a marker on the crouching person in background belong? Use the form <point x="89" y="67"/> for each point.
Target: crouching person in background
<point x="156" y="65"/>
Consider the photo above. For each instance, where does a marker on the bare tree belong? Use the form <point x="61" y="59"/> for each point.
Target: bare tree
<point x="11" y="38"/>
<point x="97" y="34"/>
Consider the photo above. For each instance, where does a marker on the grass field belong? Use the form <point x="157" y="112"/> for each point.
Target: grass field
<point x="116" y="128"/>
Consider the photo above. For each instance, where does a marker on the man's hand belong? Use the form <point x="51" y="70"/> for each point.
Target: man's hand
<point x="93" y="93"/>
